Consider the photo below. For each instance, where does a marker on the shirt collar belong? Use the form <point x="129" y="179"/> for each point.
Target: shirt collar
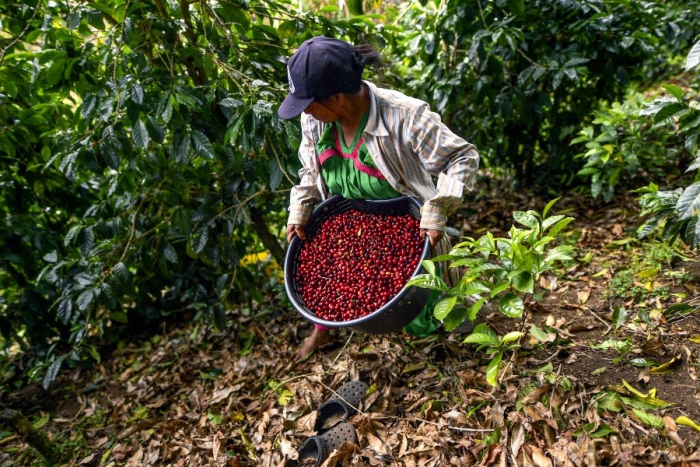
<point x="375" y="125"/>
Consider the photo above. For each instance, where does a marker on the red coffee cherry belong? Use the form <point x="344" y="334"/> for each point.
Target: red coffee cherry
<point x="356" y="262"/>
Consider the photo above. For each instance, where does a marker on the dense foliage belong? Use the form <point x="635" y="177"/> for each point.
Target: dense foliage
<point x="676" y="213"/>
<point x="519" y="78"/>
<point x="142" y="159"/>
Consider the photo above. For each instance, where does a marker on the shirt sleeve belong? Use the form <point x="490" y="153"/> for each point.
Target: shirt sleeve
<point x="446" y="156"/>
<point x="305" y="195"/>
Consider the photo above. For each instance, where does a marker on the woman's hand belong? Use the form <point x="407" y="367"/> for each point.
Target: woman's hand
<point x="295" y="229"/>
<point x="434" y="235"/>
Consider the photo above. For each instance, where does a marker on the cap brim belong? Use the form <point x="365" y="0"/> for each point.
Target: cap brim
<point x="291" y="107"/>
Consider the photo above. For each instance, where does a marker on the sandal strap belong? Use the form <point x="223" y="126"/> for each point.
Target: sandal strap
<point x="352" y="392"/>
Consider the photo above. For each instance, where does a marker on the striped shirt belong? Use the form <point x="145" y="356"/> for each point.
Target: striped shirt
<point x="409" y="145"/>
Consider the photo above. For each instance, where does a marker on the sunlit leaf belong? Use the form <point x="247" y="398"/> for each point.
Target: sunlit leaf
<point x="693" y="57"/>
<point x="140" y="135"/>
<point x="202" y="145"/>
<point x="511" y="305"/>
<point x="492" y="369"/>
<point x="444" y="307"/>
<point x="685" y="421"/>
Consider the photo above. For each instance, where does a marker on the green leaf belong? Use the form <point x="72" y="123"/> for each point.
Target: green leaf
<point x="560" y="253"/>
<point x="155" y="130"/>
<point x="559" y="226"/>
<point x="429" y="266"/>
<point x="51" y="257"/>
<point x="474" y="288"/>
<point x="55" y="72"/>
<point x="538" y="333"/>
<point x="688" y="204"/>
<point x="200" y="241"/>
<point x="693" y="57"/>
<point x="234" y="131"/>
<point x="275" y="175"/>
<point x="619" y="317"/>
<point x="482" y="334"/>
<point x="492" y="369"/>
<point x="602" y="431"/>
<point x="170" y="254"/>
<point x="548" y="222"/>
<point x="202" y="145"/>
<point x="428" y="281"/>
<point x="65" y="310"/>
<point x="642" y="362"/>
<point x="53" y="370"/>
<point x="649" y="419"/>
<point x="667" y="113"/>
<point x="137" y="93"/>
<point x="500" y="287"/>
<point x="85" y="299"/>
<point x="88" y="105"/>
<point x="675" y="91"/>
<point x="140" y="134"/>
<point x="182" y="149"/>
<point x="443" y="307"/>
<point x="511" y="305"/>
<point x="511" y="336"/>
<point x="678" y="310"/>
<point x="524" y="282"/>
<point x="528" y="219"/>
<point x="455" y="318"/>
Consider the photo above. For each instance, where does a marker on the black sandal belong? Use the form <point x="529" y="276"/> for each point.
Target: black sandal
<point x="342" y="406"/>
<point x="320" y="446"/>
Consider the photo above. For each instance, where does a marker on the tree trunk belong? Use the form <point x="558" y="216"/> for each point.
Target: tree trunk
<point x="269" y="241"/>
<point x="39" y="441"/>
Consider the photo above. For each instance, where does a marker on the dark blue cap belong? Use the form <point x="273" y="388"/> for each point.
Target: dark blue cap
<point x="321" y="67"/>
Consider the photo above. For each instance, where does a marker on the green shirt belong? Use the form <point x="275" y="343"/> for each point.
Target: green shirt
<point x="349" y="170"/>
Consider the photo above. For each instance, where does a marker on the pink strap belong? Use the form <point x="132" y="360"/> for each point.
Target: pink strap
<point x="337" y="150"/>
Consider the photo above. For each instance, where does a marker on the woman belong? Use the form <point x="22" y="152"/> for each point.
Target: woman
<point x="364" y="142"/>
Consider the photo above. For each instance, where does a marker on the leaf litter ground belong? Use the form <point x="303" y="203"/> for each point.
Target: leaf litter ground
<point x="601" y="379"/>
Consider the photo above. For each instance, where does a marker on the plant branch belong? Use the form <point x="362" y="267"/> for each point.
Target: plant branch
<point x="19" y="36"/>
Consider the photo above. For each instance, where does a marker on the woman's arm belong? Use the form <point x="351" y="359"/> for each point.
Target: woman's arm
<point x="446" y="156"/>
<point x="305" y="195"/>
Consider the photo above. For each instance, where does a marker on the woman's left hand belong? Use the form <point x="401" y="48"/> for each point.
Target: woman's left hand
<point x="434" y="235"/>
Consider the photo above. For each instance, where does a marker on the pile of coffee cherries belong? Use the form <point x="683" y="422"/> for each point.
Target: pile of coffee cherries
<point x="357" y="262"/>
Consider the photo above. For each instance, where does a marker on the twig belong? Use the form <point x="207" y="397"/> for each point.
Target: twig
<point x="343" y="349"/>
<point x="138" y="427"/>
<point x="279" y="163"/>
<point x="600" y="319"/>
<point x="19" y="36"/>
<point x="646" y="432"/>
<point x="457" y="428"/>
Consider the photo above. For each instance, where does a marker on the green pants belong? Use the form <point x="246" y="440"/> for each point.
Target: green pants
<point x="425" y="323"/>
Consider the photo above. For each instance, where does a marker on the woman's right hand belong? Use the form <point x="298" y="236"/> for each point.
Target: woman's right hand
<point x="295" y="229"/>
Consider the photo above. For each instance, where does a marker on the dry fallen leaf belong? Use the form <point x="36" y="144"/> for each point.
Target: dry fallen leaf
<point x="517" y="438"/>
<point x="583" y="295"/>
<point x="654" y="346"/>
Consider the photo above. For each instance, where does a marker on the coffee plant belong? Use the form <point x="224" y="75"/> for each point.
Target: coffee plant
<point x="518" y="78"/>
<point x="500" y="270"/>
<point x="676" y="213"/>
<point x="142" y="159"/>
<point x="623" y="149"/>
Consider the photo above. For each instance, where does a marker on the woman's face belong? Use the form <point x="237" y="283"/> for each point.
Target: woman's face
<point x="325" y="111"/>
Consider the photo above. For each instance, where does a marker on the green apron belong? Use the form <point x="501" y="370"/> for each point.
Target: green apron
<point x="350" y="171"/>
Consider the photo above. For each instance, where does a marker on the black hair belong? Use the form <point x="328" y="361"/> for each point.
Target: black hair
<point x="366" y="56"/>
